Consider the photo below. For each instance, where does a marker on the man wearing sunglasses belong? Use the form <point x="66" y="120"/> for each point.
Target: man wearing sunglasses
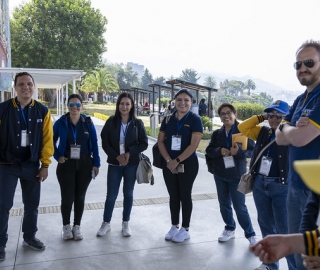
<point x="26" y="140"/>
<point x="301" y="129"/>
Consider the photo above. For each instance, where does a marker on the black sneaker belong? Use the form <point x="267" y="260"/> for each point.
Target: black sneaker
<point x="35" y="244"/>
<point x="2" y="254"/>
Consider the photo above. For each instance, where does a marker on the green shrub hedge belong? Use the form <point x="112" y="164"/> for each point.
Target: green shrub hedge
<point x="246" y="110"/>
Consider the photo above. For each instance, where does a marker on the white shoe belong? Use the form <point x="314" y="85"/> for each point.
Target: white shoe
<point x="77" y="235"/>
<point x="181" y="236"/>
<point x="67" y="232"/>
<point x="252" y="241"/>
<point x="262" y="267"/>
<point x="126" y="231"/>
<point x="173" y="231"/>
<point x="226" y="236"/>
<point x="105" y="227"/>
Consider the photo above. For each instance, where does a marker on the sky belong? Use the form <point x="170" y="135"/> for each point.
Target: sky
<point x="236" y="37"/>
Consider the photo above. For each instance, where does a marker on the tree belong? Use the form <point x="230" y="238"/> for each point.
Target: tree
<point x="57" y="34"/>
<point x="189" y="75"/>
<point x="100" y="81"/>
<point x="146" y="79"/>
<point x="160" y="80"/>
<point x="210" y="82"/>
<point x="250" y="85"/>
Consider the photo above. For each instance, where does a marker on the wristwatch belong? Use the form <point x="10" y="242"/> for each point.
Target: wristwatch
<point x="281" y="126"/>
<point x="178" y="160"/>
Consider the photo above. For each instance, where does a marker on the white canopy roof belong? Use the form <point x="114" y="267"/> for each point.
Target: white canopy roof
<point x="48" y="78"/>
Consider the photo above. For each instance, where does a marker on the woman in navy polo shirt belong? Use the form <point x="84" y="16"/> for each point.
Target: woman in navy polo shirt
<point x="178" y="140"/>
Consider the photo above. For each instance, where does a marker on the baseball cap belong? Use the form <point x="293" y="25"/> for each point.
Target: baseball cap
<point x="278" y="105"/>
<point x="309" y="171"/>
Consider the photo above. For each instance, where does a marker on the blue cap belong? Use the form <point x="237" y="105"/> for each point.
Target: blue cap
<point x="278" y="105"/>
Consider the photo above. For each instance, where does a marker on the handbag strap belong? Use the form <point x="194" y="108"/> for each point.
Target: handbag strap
<point x="260" y="153"/>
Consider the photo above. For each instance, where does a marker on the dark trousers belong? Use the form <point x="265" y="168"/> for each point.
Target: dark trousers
<point x="179" y="187"/>
<point x="74" y="177"/>
<point x="30" y="186"/>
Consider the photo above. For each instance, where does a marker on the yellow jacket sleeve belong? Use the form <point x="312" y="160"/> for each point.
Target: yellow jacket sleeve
<point x="47" y="142"/>
<point x="251" y="127"/>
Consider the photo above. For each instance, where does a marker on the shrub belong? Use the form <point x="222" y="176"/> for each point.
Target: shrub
<point x="206" y="121"/>
<point x="246" y="110"/>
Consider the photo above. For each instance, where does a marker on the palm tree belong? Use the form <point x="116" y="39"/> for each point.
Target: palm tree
<point x="100" y="81"/>
<point x="250" y="85"/>
<point x="210" y="82"/>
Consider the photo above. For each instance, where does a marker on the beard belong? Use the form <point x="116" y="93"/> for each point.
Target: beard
<point x="306" y="81"/>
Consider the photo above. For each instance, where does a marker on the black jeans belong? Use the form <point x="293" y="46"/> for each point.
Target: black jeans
<point x="74" y="177"/>
<point x="179" y="187"/>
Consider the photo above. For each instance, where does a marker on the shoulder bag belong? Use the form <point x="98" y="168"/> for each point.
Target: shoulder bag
<point x="246" y="181"/>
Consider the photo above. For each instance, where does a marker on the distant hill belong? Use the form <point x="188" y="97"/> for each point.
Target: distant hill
<point x="273" y="90"/>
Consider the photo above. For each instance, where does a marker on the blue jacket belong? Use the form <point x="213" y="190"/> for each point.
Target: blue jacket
<point x="60" y="131"/>
<point x="310" y="214"/>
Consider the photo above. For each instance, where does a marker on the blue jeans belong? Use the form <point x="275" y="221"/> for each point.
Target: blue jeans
<point x="270" y="198"/>
<point x="227" y="195"/>
<point x="296" y="202"/>
<point x="30" y="186"/>
<point x="115" y="174"/>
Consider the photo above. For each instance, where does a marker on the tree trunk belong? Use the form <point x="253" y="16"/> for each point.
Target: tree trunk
<point x="50" y="97"/>
<point x="100" y="96"/>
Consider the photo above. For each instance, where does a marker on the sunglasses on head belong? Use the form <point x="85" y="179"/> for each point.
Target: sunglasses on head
<point x="72" y="104"/>
<point x="278" y="115"/>
<point x="308" y="63"/>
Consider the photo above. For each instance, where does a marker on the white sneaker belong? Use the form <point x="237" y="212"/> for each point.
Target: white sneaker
<point x="77" y="235"/>
<point x="226" y="236"/>
<point x="173" y="231"/>
<point x="105" y="227"/>
<point x="126" y="231"/>
<point x="181" y="236"/>
<point x="262" y="267"/>
<point x="67" y="232"/>
<point x="252" y="241"/>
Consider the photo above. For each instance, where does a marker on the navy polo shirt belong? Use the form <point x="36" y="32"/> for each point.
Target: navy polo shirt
<point x="308" y="103"/>
<point x="189" y="125"/>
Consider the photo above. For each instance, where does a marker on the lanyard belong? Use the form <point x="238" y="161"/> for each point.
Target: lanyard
<point x="124" y="132"/>
<point x="23" y="116"/>
<point x="179" y="125"/>
<point x="315" y="95"/>
<point x="228" y="138"/>
<point x="74" y="131"/>
<point x="271" y="139"/>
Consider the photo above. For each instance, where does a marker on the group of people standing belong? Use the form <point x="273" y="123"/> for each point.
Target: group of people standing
<point x="28" y="140"/>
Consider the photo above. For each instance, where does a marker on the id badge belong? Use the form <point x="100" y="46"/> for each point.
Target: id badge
<point x="75" y="151"/>
<point x="24" y="138"/>
<point x="176" y="142"/>
<point x="122" y="149"/>
<point x="265" y="165"/>
<point x="228" y="162"/>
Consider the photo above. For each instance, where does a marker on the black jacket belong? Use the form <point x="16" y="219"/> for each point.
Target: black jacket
<point x="310" y="214"/>
<point x="110" y="136"/>
<point x="283" y="152"/>
<point x="218" y="140"/>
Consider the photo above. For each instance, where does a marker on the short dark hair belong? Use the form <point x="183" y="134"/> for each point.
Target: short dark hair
<point x="226" y="104"/>
<point x="75" y="96"/>
<point x="310" y="43"/>
<point x="22" y="74"/>
<point x="183" y="91"/>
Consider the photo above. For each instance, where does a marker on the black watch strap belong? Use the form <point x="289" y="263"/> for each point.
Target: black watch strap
<point x="178" y="160"/>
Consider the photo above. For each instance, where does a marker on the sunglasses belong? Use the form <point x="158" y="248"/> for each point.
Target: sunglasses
<point x="72" y="104"/>
<point x="278" y="115"/>
<point x="308" y="63"/>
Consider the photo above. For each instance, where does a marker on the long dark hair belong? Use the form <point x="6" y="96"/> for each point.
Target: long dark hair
<point x="117" y="115"/>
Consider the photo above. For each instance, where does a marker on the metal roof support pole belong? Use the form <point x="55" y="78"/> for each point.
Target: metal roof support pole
<point x="65" y="102"/>
<point x="73" y="86"/>
<point x="61" y="99"/>
<point x="159" y="98"/>
<point x="197" y="97"/>
<point x="57" y="99"/>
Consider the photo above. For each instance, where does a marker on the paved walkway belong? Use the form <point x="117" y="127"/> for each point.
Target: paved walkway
<point x="150" y="221"/>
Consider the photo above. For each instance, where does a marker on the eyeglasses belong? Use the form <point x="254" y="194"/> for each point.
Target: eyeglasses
<point x="228" y="113"/>
<point x="308" y="63"/>
<point x="278" y="115"/>
<point x="72" y="104"/>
